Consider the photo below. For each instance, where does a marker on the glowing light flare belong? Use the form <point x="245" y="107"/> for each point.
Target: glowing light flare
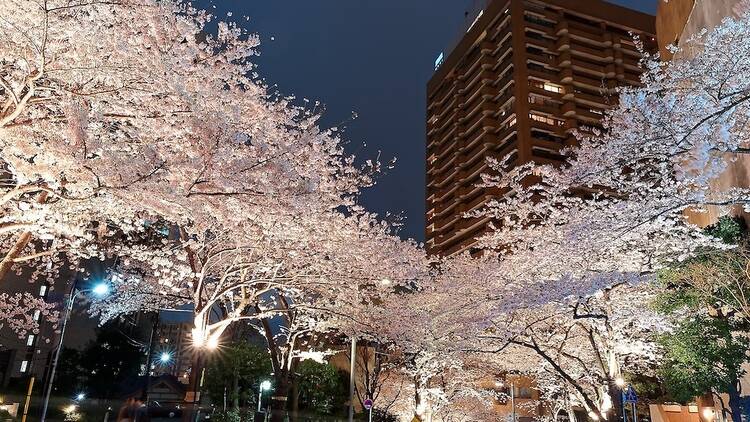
<point x="199" y="337"/>
<point x="265" y="385"/>
<point x="101" y="289"/>
<point x="709" y="413"/>
<point x="620" y="382"/>
<point x="213" y="342"/>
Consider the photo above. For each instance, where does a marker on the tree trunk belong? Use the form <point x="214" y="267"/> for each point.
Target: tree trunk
<point x="615" y="394"/>
<point x="236" y="391"/>
<point x="279" y="398"/>
<point x="21" y="243"/>
<point x="735" y="402"/>
<point x="295" y="399"/>
<point x="194" y="386"/>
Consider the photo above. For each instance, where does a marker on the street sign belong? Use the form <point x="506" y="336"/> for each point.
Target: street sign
<point x="368" y="404"/>
<point x="629" y="396"/>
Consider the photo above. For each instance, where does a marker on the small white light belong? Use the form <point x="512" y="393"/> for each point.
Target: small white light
<point x="385" y="282"/>
<point x="620" y="382"/>
<point x="265" y="385"/>
<point x="80" y="396"/>
<point x="708" y="413"/>
<point x="165" y="357"/>
<point x="499" y="384"/>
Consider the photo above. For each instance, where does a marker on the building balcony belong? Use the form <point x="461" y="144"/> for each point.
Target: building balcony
<point x="590" y="69"/>
<point x="598" y="54"/>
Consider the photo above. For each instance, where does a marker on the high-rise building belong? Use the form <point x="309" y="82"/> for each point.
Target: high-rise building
<point x="523" y="76"/>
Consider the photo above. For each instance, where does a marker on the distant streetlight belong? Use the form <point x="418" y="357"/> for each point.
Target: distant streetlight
<point x="99" y="290"/>
<point x="265" y="385"/>
<point x="80" y="396"/>
<point x="165" y="358"/>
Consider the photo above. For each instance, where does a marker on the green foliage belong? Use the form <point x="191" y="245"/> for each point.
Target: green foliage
<point x="703" y="354"/>
<point x="71" y="369"/>
<point x="322" y="387"/>
<point x="238" y="370"/>
<point x="109" y="360"/>
<point x="729" y="229"/>
<point x="234" y="415"/>
<point x="713" y="279"/>
<point x="705" y="295"/>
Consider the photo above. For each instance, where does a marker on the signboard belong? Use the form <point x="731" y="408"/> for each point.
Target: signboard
<point x="629" y="396"/>
<point x="368" y="404"/>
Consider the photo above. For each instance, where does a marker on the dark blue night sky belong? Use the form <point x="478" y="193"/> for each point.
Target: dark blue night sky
<point x="372" y="57"/>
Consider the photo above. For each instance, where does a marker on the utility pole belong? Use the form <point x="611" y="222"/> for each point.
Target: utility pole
<point x="149" y="353"/>
<point x="28" y="399"/>
<point x="352" y="377"/>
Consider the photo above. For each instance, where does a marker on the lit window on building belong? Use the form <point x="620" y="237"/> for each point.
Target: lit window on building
<point x="37" y="314"/>
<point x="545" y="119"/>
<point x="553" y="88"/>
<point x="24" y="366"/>
<point x="42" y="290"/>
<point x="30" y="340"/>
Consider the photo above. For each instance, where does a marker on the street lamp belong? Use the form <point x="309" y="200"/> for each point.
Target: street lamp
<point x="165" y="358"/>
<point x="265" y="385"/>
<point x="99" y="290"/>
<point x="80" y="396"/>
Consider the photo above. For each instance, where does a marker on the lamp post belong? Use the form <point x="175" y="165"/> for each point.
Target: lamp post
<point x="265" y="385"/>
<point x="101" y="289"/>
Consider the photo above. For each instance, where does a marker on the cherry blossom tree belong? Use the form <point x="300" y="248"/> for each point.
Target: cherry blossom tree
<point x="615" y="211"/>
<point x="294" y="279"/>
<point x="14" y="313"/>
<point x="121" y="119"/>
